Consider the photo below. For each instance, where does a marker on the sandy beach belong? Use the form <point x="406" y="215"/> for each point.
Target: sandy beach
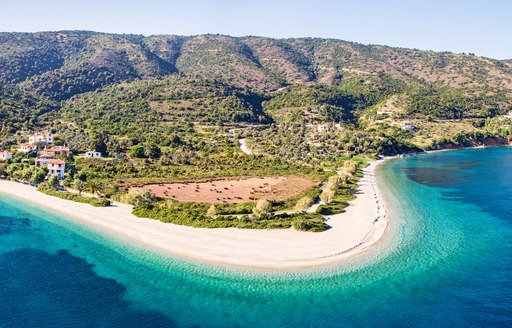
<point x="353" y="232"/>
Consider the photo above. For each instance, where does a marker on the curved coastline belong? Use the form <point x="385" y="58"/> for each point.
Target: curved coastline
<point x="353" y="233"/>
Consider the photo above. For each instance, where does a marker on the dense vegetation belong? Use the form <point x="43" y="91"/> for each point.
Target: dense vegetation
<point x="166" y="108"/>
<point x="195" y="215"/>
<point x="97" y="202"/>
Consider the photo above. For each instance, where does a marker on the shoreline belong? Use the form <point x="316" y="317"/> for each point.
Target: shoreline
<point x="352" y="233"/>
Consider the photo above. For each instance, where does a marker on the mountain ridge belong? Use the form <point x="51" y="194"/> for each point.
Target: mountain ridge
<point x="261" y="63"/>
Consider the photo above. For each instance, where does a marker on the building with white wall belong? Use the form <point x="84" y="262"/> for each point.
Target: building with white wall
<point x="27" y="147"/>
<point x="93" y="154"/>
<point x="43" y="138"/>
<point x="5" y="155"/>
<point x="57" y="168"/>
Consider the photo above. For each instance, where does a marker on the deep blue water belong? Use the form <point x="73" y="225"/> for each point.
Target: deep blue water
<point x="447" y="263"/>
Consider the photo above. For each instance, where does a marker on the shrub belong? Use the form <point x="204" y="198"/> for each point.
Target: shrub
<point x="350" y="167"/>
<point x="138" y="151"/>
<point x="145" y="199"/>
<point x="327" y="195"/>
<point x="212" y="211"/>
<point x="79" y="185"/>
<point x="309" y="222"/>
<point x="304" y="203"/>
<point x="263" y="207"/>
<point x="97" y="202"/>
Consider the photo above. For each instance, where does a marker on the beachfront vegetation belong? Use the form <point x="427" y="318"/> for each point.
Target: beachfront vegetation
<point x="338" y="191"/>
<point x="199" y="215"/>
<point x="23" y="172"/>
<point x="49" y="189"/>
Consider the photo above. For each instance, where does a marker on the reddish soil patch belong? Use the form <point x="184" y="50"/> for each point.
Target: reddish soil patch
<point x="241" y="190"/>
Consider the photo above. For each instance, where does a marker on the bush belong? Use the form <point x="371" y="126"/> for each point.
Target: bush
<point x="195" y="215"/>
<point x="138" y="151"/>
<point x="212" y="211"/>
<point x="304" y="203"/>
<point x="263" y="207"/>
<point x="336" y="207"/>
<point x="96" y="202"/>
<point x="327" y="195"/>
<point x="145" y="199"/>
<point x="309" y="222"/>
<point x="350" y="167"/>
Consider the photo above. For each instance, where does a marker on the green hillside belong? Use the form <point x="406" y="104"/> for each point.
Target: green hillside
<point x="83" y="83"/>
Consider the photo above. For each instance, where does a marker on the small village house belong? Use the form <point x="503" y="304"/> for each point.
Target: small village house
<point x="56" y="168"/>
<point x="93" y="154"/>
<point x="43" y="160"/>
<point x="42" y="138"/>
<point x="27" y="147"/>
<point x="5" y="155"/>
<point x="55" y="151"/>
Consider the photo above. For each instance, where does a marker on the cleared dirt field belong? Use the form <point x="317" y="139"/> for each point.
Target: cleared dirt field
<point x="241" y="190"/>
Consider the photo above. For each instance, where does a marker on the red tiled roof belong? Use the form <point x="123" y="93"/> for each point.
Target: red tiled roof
<point x="57" y="149"/>
<point x="57" y="161"/>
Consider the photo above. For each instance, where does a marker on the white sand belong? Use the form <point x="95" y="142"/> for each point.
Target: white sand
<point x="352" y="232"/>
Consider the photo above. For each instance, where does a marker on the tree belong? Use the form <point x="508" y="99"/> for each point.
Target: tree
<point x="153" y="151"/>
<point x="212" y="211"/>
<point x="351" y="167"/>
<point x="94" y="187"/>
<point x="3" y="170"/>
<point x="344" y="177"/>
<point x="263" y="206"/>
<point x="145" y="199"/>
<point x="38" y="176"/>
<point x="327" y="195"/>
<point x="334" y="182"/>
<point x="53" y="182"/>
<point x="304" y="203"/>
<point x="138" y="151"/>
<point x="79" y="185"/>
<point x="98" y="142"/>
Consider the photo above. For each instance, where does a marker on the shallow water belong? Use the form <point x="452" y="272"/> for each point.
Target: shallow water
<point x="449" y="263"/>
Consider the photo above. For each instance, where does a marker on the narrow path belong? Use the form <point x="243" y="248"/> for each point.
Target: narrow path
<point x="243" y="147"/>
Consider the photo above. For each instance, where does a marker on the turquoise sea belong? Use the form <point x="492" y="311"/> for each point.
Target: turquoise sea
<point x="447" y="263"/>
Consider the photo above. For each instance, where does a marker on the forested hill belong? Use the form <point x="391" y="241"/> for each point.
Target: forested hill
<point x="106" y="82"/>
<point x="59" y="65"/>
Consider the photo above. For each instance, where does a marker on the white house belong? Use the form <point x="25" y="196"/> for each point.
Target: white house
<point x="323" y="128"/>
<point x="44" y="138"/>
<point x="407" y="126"/>
<point x="56" y="168"/>
<point x="93" y="154"/>
<point x="57" y="150"/>
<point x="5" y="155"/>
<point x="44" y="160"/>
<point x="27" y="148"/>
